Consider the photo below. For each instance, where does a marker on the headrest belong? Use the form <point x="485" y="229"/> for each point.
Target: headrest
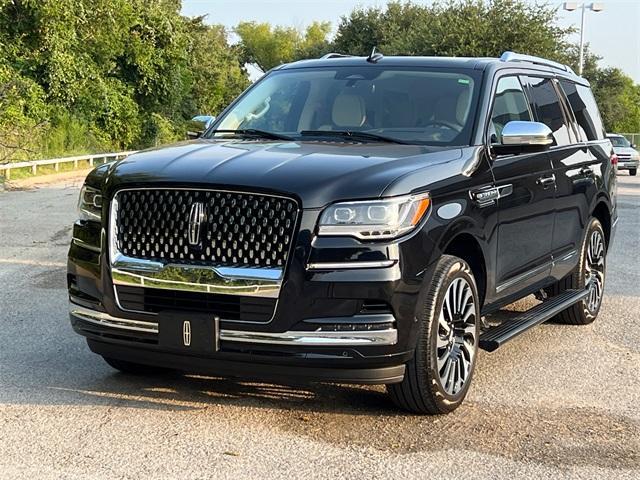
<point x="348" y="111"/>
<point x="462" y="107"/>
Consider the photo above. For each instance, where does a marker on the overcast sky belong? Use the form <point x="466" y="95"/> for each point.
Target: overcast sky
<point x="614" y="34"/>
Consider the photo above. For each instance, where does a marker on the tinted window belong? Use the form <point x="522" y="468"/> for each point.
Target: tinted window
<point x="620" y="142"/>
<point x="434" y="106"/>
<point x="509" y="104"/>
<point x="585" y="109"/>
<point x="548" y="109"/>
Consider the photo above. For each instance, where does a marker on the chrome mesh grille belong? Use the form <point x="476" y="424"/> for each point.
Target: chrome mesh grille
<point x="236" y="229"/>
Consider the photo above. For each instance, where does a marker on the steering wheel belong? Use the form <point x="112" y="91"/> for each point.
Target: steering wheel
<point x="444" y="123"/>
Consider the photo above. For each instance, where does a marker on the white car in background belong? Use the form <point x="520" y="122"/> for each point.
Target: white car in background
<point x="628" y="156"/>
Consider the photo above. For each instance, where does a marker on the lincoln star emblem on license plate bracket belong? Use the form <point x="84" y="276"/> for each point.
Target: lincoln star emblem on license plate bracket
<point x="199" y="333"/>
<point x="186" y="333"/>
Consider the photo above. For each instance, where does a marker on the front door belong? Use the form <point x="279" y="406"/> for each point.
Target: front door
<point x="526" y="205"/>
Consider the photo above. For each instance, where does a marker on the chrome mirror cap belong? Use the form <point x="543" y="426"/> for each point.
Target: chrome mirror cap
<point x="519" y="133"/>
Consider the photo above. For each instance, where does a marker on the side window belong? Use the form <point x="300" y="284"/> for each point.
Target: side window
<point x="510" y="103"/>
<point x="548" y="109"/>
<point x="585" y="110"/>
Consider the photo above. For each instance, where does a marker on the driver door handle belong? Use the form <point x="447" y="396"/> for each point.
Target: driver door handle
<point x="546" y="181"/>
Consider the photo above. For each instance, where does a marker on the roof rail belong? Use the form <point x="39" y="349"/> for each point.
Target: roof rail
<point x="334" y="55"/>
<point x="518" y="57"/>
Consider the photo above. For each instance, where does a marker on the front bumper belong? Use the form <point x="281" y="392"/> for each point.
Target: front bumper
<point x="281" y="357"/>
<point x="628" y="164"/>
<point x="386" y="336"/>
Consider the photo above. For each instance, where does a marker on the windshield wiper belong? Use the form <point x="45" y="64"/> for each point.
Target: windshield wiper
<point x="348" y="134"/>
<point x="253" y="132"/>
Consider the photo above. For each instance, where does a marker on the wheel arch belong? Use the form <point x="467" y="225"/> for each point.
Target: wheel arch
<point x="466" y="246"/>
<point x="602" y="213"/>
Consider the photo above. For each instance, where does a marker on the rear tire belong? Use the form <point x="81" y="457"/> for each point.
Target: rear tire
<point x="438" y="376"/>
<point x="134" y="368"/>
<point x="589" y="273"/>
<point x="632" y="172"/>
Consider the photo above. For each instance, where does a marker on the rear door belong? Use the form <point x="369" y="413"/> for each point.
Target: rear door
<point x="572" y="163"/>
<point x="526" y="203"/>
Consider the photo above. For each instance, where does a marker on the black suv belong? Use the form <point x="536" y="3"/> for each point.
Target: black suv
<point x="353" y="219"/>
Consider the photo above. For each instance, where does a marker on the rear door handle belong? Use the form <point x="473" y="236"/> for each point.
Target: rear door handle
<point x="547" y="181"/>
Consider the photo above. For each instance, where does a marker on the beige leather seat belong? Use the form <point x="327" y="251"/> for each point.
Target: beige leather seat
<point x="348" y="111"/>
<point x="453" y="110"/>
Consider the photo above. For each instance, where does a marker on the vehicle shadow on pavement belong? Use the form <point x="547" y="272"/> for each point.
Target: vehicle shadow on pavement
<point x="344" y="415"/>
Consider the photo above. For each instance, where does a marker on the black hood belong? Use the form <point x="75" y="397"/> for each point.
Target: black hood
<point x="316" y="172"/>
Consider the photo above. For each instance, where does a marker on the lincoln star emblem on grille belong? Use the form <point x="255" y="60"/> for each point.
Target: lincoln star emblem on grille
<point x="186" y="333"/>
<point x="196" y="217"/>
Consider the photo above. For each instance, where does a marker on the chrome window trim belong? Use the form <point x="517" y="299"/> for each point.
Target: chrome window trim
<point x="316" y="338"/>
<point x="267" y="282"/>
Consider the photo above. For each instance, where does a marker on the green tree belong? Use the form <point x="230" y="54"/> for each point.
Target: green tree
<point x="618" y="100"/>
<point x="216" y="75"/>
<point x="454" y="28"/>
<point x="111" y="73"/>
<point x="268" y="47"/>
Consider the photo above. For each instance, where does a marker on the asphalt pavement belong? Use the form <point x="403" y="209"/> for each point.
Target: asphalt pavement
<point x="557" y="402"/>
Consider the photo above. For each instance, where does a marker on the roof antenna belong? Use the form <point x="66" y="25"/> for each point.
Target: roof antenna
<point x="374" y="57"/>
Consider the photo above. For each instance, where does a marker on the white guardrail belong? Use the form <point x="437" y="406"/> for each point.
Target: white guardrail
<point x="34" y="164"/>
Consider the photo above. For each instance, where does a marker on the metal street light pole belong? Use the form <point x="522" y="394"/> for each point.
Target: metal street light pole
<point x="594" y="7"/>
<point x="580" y="65"/>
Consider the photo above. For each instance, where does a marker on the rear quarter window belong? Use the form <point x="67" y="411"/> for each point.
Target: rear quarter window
<point x="585" y="110"/>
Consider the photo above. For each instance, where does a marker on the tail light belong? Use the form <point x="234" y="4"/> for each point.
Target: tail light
<point x="614" y="159"/>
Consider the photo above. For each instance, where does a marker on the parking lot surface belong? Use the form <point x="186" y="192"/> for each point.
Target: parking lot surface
<point x="557" y="402"/>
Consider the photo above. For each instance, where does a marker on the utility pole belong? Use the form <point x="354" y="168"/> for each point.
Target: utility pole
<point x="594" y="7"/>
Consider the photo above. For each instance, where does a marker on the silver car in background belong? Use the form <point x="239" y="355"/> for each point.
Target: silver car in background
<point x="628" y="156"/>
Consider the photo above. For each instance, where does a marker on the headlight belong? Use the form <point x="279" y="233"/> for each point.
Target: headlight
<point x="635" y="156"/>
<point x="90" y="204"/>
<point x="374" y="219"/>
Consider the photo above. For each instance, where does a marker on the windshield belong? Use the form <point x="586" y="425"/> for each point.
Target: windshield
<point x="620" y="142"/>
<point x="408" y="105"/>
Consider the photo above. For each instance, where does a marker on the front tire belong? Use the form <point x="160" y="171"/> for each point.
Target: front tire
<point x="632" y="172"/>
<point x="589" y="273"/>
<point x="438" y="376"/>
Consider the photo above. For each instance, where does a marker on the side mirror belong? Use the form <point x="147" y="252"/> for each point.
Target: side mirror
<point x="524" y="137"/>
<point x="198" y="124"/>
<point x="633" y="145"/>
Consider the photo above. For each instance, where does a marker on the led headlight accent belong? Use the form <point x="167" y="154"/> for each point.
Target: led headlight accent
<point x="374" y="219"/>
<point x="90" y="204"/>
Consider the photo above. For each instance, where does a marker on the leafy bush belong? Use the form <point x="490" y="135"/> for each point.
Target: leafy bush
<point x="90" y="75"/>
